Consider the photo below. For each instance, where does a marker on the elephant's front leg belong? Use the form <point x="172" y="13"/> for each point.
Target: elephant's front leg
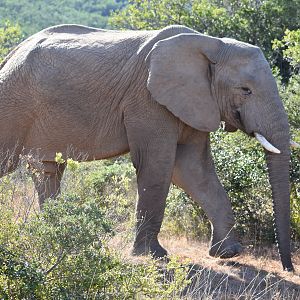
<point x="194" y="172"/>
<point x="153" y="158"/>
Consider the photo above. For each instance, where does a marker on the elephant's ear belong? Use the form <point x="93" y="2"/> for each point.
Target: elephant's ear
<point x="180" y="79"/>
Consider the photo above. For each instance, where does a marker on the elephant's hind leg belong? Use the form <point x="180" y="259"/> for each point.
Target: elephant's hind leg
<point x="47" y="182"/>
<point x="194" y="172"/>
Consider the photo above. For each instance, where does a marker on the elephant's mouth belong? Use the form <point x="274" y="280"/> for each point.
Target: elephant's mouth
<point x="238" y="124"/>
<point x="258" y="136"/>
<point x="234" y="122"/>
<point x="229" y="128"/>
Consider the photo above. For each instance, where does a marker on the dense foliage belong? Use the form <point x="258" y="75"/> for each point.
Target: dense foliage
<point x="10" y="36"/>
<point x="63" y="253"/>
<point x="33" y="16"/>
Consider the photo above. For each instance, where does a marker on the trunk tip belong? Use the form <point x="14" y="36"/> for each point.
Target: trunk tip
<point x="288" y="267"/>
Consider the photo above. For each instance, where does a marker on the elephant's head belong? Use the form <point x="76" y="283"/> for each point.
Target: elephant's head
<point x="204" y="80"/>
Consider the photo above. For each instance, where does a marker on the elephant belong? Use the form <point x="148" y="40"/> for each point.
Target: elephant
<point x="157" y="95"/>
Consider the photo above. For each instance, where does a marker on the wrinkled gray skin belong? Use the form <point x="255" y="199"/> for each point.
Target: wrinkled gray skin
<point x="157" y="94"/>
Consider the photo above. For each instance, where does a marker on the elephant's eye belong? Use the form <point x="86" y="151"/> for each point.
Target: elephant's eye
<point x="246" y="91"/>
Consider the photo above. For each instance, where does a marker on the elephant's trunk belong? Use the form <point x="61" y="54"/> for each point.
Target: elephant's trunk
<point x="278" y="166"/>
<point x="271" y="123"/>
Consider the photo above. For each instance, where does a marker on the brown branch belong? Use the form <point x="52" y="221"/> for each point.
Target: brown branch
<point x="60" y="257"/>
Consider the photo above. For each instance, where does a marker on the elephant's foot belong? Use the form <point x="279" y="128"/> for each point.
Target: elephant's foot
<point x="225" y="249"/>
<point x="153" y="248"/>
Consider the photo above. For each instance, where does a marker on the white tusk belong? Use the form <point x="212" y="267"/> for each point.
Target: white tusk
<point x="294" y="144"/>
<point x="267" y="145"/>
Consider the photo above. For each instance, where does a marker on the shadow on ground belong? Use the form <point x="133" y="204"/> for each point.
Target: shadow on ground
<point x="253" y="275"/>
<point x="244" y="282"/>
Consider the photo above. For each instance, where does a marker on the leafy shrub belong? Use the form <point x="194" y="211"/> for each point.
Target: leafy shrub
<point x="18" y="279"/>
<point x="185" y="217"/>
<point x="111" y="183"/>
<point x="10" y="36"/>
<point x="62" y="253"/>
<point x="55" y="242"/>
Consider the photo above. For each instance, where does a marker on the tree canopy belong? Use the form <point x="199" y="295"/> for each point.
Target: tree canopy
<point x="33" y="16"/>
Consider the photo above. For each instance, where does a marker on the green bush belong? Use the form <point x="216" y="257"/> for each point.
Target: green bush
<point x="62" y="252"/>
<point x="110" y="182"/>
<point x="185" y="217"/>
<point x="10" y="36"/>
<point x="18" y="279"/>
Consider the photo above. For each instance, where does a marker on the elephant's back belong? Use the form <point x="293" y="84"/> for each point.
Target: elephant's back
<point x="72" y="29"/>
<point x="72" y="37"/>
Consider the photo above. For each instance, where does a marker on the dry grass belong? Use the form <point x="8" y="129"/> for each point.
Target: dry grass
<point x="253" y="275"/>
<point x="257" y="274"/>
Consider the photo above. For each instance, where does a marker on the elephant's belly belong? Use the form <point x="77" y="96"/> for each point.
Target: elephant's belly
<point x="77" y="142"/>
